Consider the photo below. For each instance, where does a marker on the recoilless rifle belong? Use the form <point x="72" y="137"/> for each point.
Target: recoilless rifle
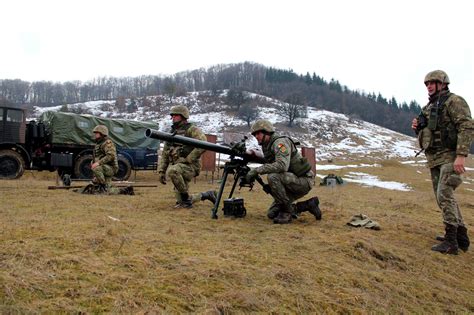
<point x="237" y="165"/>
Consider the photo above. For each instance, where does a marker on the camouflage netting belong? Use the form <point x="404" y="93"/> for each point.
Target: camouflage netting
<point x="68" y="128"/>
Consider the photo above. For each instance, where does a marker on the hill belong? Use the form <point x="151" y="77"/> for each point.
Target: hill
<point x="309" y="90"/>
<point x="332" y="135"/>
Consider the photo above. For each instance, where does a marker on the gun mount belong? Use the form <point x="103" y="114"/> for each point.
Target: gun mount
<point x="237" y="165"/>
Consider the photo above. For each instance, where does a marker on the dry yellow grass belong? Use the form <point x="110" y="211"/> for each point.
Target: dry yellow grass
<point x="65" y="252"/>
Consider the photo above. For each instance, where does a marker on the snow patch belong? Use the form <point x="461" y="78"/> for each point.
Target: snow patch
<point x="338" y="167"/>
<point x="370" y="180"/>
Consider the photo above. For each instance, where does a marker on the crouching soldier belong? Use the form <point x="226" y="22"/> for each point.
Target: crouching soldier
<point x="105" y="163"/>
<point x="181" y="163"/>
<point x="104" y="166"/>
<point x="289" y="174"/>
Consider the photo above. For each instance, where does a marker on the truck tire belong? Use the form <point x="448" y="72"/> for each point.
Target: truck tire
<point x="12" y="164"/>
<point x="125" y="168"/>
<point x="82" y="167"/>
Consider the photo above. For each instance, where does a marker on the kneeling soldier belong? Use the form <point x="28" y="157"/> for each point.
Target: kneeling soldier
<point x="289" y="174"/>
<point x="105" y="163"/>
<point x="181" y="163"/>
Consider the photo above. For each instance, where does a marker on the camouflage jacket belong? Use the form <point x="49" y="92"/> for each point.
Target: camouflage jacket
<point x="105" y="153"/>
<point x="281" y="156"/>
<point x="455" y="117"/>
<point x="178" y="153"/>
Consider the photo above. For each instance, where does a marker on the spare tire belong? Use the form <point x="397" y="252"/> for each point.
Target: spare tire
<point x="12" y="165"/>
<point x="125" y="168"/>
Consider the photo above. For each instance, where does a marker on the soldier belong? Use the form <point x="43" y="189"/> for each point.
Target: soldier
<point x="181" y="163"/>
<point x="289" y="174"/>
<point x="444" y="129"/>
<point x="105" y="163"/>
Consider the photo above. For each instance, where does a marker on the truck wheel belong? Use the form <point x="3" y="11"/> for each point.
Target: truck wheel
<point x="82" y="167"/>
<point x="12" y="165"/>
<point x="125" y="168"/>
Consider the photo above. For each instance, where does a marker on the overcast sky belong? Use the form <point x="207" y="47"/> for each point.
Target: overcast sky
<point x="374" y="46"/>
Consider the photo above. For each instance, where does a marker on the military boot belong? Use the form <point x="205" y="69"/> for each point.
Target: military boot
<point x="463" y="239"/>
<point x="284" y="216"/>
<point x="186" y="201"/>
<point x="100" y="189"/>
<point x="89" y="189"/>
<point x="272" y="213"/>
<point x="311" y="205"/>
<point x="209" y="195"/>
<point x="450" y="243"/>
<point x="127" y="191"/>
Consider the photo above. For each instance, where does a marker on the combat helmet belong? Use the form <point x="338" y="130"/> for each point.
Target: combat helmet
<point x="437" y="76"/>
<point x="180" y="110"/>
<point x="101" y="129"/>
<point x="262" y="125"/>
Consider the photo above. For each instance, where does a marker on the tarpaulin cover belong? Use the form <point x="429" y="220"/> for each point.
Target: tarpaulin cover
<point x="69" y="128"/>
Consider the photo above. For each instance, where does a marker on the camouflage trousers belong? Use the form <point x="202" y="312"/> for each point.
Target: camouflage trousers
<point x="445" y="181"/>
<point x="103" y="174"/>
<point x="286" y="188"/>
<point x="181" y="175"/>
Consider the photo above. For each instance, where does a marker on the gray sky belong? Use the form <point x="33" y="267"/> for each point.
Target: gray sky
<point x="374" y="46"/>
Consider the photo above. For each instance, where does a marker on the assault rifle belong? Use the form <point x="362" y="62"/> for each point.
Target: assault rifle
<point x="237" y="165"/>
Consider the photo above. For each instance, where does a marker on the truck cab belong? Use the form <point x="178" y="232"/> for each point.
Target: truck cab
<point x="12" y="140"/>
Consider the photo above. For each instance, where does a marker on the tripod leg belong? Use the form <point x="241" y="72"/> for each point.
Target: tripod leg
<point x="219" y="194"/>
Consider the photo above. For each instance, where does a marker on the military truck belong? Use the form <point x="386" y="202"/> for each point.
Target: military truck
<point x="63" y="142"/>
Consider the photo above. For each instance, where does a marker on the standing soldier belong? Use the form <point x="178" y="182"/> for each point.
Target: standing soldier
<point x="289" y="174"/>
<point x="444" y="129"/>
<point x="181" y="163"/>
<point x="105" y="163"/>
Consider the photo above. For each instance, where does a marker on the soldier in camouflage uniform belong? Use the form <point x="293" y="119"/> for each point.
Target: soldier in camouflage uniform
<point x="181" y="163"/>
<point x="445" y="130"/>
<point x="105" y="163"/>
<point x="289" y="175"/>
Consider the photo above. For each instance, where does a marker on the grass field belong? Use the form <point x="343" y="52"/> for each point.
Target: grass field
<point x="62" y="252"/>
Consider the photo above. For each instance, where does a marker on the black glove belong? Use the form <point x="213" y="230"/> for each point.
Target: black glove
<point x="251" y="176"/>
<point x="162" y="178"/>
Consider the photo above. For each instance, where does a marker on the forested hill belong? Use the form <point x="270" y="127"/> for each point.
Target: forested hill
<point x="302" y="90"/>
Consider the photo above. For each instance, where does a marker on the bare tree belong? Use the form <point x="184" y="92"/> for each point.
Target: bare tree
<point x="248" y="112"/>
<point x="235" y="98"/>
<point x="120" y="104"/>
<point x="170" y="88"/>
<point x="293" y="109"/>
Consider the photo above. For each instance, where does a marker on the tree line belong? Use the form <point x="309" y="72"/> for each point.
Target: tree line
<point x="298" y="91"/>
